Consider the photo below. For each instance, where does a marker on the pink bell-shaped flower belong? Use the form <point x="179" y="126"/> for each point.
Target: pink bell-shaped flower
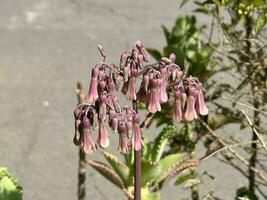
<point x="102" y="139"/>
<point x="102" y="107"/>
<point x="88" y="143"/>
<point x="137" y="142"/>
<point x="190" y="112"/>
<point x="164" y="84"/>
<point x="177" y="115"/>
<point x="154" y="98"/>
<point x="131" y="90"/>
<point x="124" y="141"/>
<point x="200" y="103"/>
<point x="142" y="93"/>
<point x="93" y="93"/>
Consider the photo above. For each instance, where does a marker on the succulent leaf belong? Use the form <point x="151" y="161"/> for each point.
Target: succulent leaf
<point x="107" y="172"/>
<point x="176" y="170"/>
<point x="118" y="166"/>
<point x="185" y="175"/>
<point x="161" y="141"/>
<point x="171" y="161"/>
<point x="9" y="187"/>
<point x="147" y="195"/>
<point x="150" y="171"/>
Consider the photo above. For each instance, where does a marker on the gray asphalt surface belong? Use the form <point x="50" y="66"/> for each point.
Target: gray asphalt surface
<point x="46" y="46"/>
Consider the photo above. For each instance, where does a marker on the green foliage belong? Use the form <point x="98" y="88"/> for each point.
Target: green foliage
<point x="107" y="172"/>
<point x="245" y="193"/>
<point x="119" y="167"/>
<point x="241" y="7"/>
<point x="156" y="167"/>
<point x="161" y="141"/>
<point x="184" y="40"/>
<point x="9" y="186"/>
<point x="260" y="22"/>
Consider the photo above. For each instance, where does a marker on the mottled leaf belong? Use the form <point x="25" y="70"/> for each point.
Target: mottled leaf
<point x="118" y="166"/>
<point x="107" y="172"/>
<point x="161" y="141"/>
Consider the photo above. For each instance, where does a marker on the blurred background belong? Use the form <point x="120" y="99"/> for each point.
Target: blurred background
<point x="46" y="46"/>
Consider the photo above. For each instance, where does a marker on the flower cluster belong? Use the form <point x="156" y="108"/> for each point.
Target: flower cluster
<point x="167" y="77"/>
<point x="160" y="82"/>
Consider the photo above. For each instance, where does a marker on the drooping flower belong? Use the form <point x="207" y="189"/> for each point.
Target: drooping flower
<point x="124" y="58"/>
<point x="173" y="57"/>
<point x="131" y="90"/>
<point x="111" y="85"/>
<point x="117" y="80"/>
<point x="77" y="112"/>
<point x="126" y="71"/>
<point x="113" y="120"/>
<point x="142" y="93"/>
<point x="137" y="142"/>
<point x="92" y="93"/>
<point x="124" y="141"/>
<point x="190" y="112"/>
<point x="164" y="84"/>
<point x="102" y="140"/>
<point x="177" y="115"/>
<point x="88" y="143"/>
<point x="142" y="51"/>
<point x="102" y="107"/>
<point x="115" y="103"/>
<point x="200" y="103"/>
<point x="154" y="98"/>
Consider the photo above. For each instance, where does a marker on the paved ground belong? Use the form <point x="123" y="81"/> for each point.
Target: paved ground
<point x="45" y="47"/>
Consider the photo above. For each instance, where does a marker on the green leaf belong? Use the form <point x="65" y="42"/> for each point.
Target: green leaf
<point x="9" y="187"/>
<point x="172" y="172"/>
<point x="107" y="172"/>
<point x="186" y="175"/>
<point x="260" y="22"/>
<point x="245" y="193"/>
<point x="147" y="149"/>
<point x="147" y="195"/>
<point x="191" y="183"/>
<point x="118" y="166"/>
<point x="161" y="141"/>
<point x="170" y="161"/>
<point x="129" y="158"/>
<point x="150" y="171"/>
<point x="154" y="53"/>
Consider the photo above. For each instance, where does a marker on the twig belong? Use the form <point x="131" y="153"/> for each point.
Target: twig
<point x="255" y="131"/>
<point x="82" y="157"/>
<point x="226" y="148"/>
<point x="244" y="105"/>
<point x="259" y="173"/>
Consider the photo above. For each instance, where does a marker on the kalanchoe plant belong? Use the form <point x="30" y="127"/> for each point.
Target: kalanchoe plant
<point x="158" y="168"/>
<point x="102" y="108"/>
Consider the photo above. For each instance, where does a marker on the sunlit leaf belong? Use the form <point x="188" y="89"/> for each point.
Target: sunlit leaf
<point x="260" y="22"/>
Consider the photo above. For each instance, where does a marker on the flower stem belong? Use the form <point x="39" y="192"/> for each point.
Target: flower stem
<point x="137" y="166"/>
